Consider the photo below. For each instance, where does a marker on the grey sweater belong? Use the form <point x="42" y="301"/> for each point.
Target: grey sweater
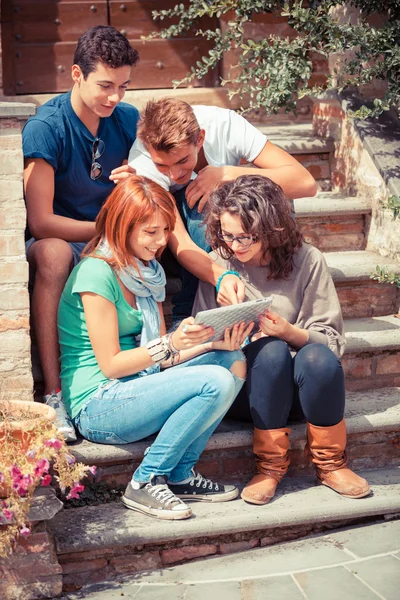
<point x="306" y="299"/>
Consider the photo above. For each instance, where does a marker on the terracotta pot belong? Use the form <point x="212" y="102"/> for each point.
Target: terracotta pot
<point x="25" y="417"/>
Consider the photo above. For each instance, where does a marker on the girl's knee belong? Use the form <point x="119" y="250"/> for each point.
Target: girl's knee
<point x="317" y="358"/>
<point x="238" y="368"/>
<point x="271" y="352"/>
<point x="221" y="385"/>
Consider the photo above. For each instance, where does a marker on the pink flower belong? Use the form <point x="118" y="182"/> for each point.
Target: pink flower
<point x="42" y="466"/>
<point x="16" y="473"/>
<point x="31" y="454"/>
<point x="75" y="491"/>
<point x="71" y="460"/>
<point x="8" y="514"/>
<point x="93" y="470"/>
<point x="54" y="443"/>
<point x="1" y="478"/>
<point x="24" y="531"/>
<point x="46" y="480"/>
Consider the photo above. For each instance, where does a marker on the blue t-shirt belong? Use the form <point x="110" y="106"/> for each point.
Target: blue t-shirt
<point x="57" y="135"/>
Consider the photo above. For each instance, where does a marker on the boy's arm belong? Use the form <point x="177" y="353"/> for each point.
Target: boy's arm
<point x="39" y="195"/>
<point x="198" y="262"/>
<point x="272" y="162"/>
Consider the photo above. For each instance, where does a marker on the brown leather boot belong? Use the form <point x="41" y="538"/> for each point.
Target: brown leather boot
<point x="271" y="449"/>
<point x="327" y="447"/>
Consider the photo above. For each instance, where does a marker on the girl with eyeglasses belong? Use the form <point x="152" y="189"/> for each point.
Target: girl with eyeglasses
<point x="293" y="366"/>
<point x="113" y="343"/>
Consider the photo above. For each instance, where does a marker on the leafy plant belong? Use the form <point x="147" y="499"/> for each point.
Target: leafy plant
<point x="25" y="464"/>
<point x="271" y="72"/>
<point x="384" y="276"/>
<point x="393" y="204"/>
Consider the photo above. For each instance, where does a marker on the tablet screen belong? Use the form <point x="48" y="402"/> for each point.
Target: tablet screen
<point x="227" y="316"/>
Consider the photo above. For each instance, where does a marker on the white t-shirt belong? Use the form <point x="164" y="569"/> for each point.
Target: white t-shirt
<point x="229" y="137"/>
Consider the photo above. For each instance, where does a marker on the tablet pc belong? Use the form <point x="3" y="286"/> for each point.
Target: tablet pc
<point x="227" y="316"/>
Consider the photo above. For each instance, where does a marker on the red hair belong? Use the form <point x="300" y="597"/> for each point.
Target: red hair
<point x="134" y="200"/>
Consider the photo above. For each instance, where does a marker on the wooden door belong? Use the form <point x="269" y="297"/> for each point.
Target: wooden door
<point x="39" y="38"/>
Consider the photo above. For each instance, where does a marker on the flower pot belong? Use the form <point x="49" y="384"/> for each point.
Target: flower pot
<point x="18" y="421"/>
<point x="22" y="417"/>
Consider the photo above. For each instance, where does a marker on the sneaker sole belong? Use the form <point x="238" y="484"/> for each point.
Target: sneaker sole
<point x="155" y="512"/>
<point x="210" y="497"/>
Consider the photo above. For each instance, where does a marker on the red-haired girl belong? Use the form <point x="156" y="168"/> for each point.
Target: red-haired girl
<point x="112" y="384"/>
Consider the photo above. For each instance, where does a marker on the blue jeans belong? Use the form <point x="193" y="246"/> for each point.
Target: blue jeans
<point x="194" y="223"/>
<point x="185" y="408"/>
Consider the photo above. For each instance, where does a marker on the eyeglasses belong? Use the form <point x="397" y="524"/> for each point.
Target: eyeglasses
<point x="244" y="240"/>
<point x="97" y="150"/>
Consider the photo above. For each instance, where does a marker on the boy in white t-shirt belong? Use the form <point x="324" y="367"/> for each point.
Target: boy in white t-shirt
<point x="189" y="150"/>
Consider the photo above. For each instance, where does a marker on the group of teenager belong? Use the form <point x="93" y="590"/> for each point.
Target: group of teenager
<point x="106" y="192"/>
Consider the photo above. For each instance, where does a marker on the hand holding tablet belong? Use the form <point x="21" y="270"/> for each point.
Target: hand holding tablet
<point x="228" y="316"/>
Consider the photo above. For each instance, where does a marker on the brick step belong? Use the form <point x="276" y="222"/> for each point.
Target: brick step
<point x="107" y="541"/>
<point x="359" y="295"/>
<point x="373" y="426"/>
<point x="332" y="221"/>
<point x="297" y="138"/>
<point x="372" y="354"/>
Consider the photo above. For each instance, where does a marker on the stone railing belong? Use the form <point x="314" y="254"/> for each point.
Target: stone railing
<point x="15" y="344"/>
<point x="365" y="163"/>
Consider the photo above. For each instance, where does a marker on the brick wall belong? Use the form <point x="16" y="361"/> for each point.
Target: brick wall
<point x="15" y="359"/>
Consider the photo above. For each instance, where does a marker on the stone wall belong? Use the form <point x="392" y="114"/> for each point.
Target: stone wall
<point x="365" y="164"/>
<point x="15" y="358"/>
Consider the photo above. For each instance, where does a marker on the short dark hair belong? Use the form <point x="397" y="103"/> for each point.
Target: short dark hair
<point x="265" y="212"/>
<point x="104" y="44"/>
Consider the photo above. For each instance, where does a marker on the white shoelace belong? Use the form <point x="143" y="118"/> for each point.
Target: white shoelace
<point x="162" y="493"/>
<point x="200" y="481"/>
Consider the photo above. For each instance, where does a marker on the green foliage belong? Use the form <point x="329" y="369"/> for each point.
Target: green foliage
<point x="384" y="276"/>
<point x="271" y="72"/>
<point x="393" y="204"/>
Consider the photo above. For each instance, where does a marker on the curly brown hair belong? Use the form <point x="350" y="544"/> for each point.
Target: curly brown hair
<point x="265" y="213"/>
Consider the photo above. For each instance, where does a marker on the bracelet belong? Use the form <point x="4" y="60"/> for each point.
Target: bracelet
<point x="159" y="349"/>
<point x="175" y="353"/>
<point x="171" y="344"/>
<point x="220" y="278"/>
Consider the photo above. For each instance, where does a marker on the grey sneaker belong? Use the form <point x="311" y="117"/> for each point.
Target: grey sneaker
<point x="199" y="488"/>
<point x="155" y="499"/>
<point x="63" y="421"/>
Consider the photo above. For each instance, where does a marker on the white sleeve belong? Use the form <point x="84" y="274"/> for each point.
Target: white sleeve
<point x="140" y="160"/>
<point x="243" y="140"/>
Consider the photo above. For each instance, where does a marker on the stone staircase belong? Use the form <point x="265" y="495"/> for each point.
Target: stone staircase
<point x="98" y="542"/>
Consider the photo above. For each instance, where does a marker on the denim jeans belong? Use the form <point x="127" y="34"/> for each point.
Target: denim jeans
<point x="184" y="404"/>
<point x="194" y="223"/>
<point x="281" y="387"/>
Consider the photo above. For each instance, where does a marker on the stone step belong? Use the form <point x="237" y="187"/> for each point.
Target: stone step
<point x="297" y="138"/>
<point x="359" y="295"/>
<point x="333" y="221"/>
<point x="372" y="354"/>
<point x="373" y="427"/>
<point x="107" y="541"/>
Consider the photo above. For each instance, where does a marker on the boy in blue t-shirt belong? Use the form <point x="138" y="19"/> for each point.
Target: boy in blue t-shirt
<point x="74" y="150"/>
<point x="71" y="147"/>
